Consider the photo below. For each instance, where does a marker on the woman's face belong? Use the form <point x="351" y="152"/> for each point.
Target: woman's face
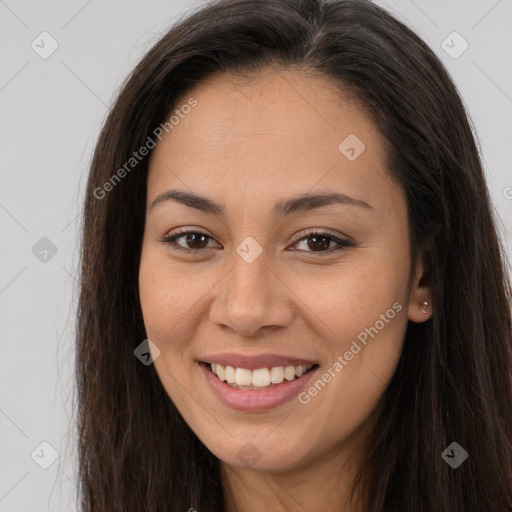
<point x="298" y="256"/>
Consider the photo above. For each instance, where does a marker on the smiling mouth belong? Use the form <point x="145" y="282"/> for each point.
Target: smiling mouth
<point x="259" y="379"/>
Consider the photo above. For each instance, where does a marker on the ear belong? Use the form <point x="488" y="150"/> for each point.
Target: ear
<point x="420" y="301"/>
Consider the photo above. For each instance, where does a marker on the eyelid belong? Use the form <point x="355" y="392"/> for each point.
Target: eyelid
<point x="316" y="231"/>
<point x="187" y="230"/>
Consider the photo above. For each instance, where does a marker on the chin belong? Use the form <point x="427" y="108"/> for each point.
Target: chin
<point x="261" y="454"/>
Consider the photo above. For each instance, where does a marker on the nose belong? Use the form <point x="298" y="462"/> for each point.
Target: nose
<point x="252" y="298"/>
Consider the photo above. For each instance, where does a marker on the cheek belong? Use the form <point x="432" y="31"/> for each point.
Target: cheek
<point x="169" y="295"/>
<point x="369" y="328"/>
<point x="363" y="314"/>
<point x="351" y="298"/>
<point x="156" y="298"/>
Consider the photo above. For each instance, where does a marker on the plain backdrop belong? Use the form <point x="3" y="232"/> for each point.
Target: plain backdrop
<point x="51" y="110"/>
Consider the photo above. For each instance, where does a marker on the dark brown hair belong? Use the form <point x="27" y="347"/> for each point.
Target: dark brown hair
<point x="453" y="381"/>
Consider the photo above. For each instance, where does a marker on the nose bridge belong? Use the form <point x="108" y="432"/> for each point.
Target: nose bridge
<point x="249" y="280"/>
<point x="250" y="297"/>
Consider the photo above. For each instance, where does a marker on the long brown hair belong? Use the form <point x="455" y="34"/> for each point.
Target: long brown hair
<point x="453" y="381"/>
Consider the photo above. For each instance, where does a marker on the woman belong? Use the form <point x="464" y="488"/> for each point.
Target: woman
<point x="293" y="295"/>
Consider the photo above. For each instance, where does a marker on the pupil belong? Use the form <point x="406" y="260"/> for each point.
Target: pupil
<point x="324" y="245"/>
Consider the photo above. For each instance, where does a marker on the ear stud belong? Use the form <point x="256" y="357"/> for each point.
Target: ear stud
<point x="424" y="306"/>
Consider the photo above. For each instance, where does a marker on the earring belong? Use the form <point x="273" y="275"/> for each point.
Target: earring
<point x="424" y="305"/>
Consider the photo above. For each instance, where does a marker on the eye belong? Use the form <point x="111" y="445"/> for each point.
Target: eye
<point x="320" y="242"/>
<point x="192" y="241"/>
<point x="316" y="241"/>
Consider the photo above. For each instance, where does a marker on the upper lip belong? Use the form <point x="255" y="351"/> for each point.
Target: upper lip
<point x="253" y="362"/>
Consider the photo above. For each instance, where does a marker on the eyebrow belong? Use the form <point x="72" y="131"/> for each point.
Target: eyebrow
<point x="281" y="209"/>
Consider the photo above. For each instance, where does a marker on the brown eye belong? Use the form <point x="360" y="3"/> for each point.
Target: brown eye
<point x="196" y="240"/>
<point x="316" y="243"/>
<point x="190" y="241"/>
<point x="321" y="243"/>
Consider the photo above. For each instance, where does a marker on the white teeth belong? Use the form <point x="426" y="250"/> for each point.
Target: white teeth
<point x="276" y="374"/>
<point x="289" y="373"/>
<point x="243" y="377"/>
<point x="230" y="374"/>
<point x="260" y="378"/>
<point x="221" y="372"/>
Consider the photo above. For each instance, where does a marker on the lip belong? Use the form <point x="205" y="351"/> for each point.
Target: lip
<point x="255" y="400"/>
<point x="254" y="362"/>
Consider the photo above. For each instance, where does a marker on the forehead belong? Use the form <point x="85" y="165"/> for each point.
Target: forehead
<point x="274" y="131"/>
<point x="292" y="106"/>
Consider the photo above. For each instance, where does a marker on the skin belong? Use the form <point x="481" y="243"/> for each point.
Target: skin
<point x="246" y="145"/>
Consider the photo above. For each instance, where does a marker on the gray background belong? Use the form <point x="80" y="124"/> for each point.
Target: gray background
<point x="51" y="112"/>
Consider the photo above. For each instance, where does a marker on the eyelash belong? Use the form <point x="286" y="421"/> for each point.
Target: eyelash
<point x="303" y="235"/>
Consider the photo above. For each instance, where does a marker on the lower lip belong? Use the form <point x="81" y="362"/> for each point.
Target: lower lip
<point x="255" y="400"/>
